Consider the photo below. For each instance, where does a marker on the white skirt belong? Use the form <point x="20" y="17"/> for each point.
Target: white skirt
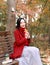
<point x="30" y="56"/>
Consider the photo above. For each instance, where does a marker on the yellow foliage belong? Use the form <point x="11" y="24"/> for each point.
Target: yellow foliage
<point x="45" y="10"/>
<point x="35" y="24"/>
<point x="1" y="1"/>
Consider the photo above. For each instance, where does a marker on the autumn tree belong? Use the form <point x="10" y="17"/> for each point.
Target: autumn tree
<point x="11" y="16"/>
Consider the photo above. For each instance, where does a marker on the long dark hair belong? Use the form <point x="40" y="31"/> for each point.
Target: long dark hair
<point x="18" y="22"/>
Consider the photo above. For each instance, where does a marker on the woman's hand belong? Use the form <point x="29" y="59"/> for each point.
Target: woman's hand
<point x="27" y="35"/>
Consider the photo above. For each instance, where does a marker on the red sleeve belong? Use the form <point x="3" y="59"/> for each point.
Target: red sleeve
<point x="18" y="40"/>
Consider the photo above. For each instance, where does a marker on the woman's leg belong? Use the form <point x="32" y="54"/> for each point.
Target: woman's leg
<point x="36" y="60"/>
<point x="30" y="56"/>
<point x="26" y="55"/>
<point x="24" y="59"/>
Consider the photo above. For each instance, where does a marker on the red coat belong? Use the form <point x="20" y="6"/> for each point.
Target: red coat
<point x="20" y="42"/>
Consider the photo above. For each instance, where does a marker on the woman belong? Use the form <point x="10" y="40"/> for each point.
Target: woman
<point x="25" y="54"/>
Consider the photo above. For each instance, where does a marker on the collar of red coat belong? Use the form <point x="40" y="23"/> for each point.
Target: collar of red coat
<point x="22" y="31"/>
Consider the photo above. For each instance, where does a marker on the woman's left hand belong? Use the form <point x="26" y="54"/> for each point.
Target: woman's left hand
<point x="27" y="35"/>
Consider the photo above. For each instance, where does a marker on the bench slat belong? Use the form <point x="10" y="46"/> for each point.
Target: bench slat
<point x="6" y="46"/>
<point x="5" y="43"/>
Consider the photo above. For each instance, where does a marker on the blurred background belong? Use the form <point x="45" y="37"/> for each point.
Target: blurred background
<point x="37" y="16"/>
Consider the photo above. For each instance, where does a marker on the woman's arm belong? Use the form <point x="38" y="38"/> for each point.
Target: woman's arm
<point x="18" y="40"/>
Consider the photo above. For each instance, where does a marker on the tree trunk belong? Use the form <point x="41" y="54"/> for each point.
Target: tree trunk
<point x="11" y="15"/>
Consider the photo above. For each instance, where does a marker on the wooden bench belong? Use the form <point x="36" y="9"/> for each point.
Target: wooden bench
<point x="6" y="46"/>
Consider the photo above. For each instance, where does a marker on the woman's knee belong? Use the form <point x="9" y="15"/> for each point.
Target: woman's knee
<point x="33" y="49"/>
<point x="36" y="49"/>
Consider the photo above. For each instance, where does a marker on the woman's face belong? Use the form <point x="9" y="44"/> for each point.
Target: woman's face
<point x="22" y="23"/>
